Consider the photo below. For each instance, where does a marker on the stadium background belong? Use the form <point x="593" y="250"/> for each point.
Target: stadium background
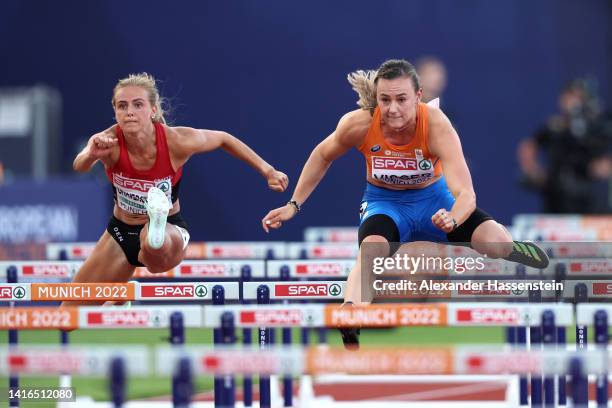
<point x="273" y="74"/>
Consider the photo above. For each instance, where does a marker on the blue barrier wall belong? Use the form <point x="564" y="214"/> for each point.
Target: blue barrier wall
<point x="273" y="73"/>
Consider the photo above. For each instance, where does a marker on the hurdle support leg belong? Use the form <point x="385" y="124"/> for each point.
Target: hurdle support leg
<point x="218" y="298"/>
<point x="601" y="341"/>
<point x="117" y="382"/>
<point x="227" y="338"/>
<point x="581" y="296"/>
<point x="265" y="400"/>
<point x="562" y="382"/>
<point x="549" y="339"/>
<point x="182" y="384"/>
<point x="287" y="379"/>
<point x="247" y="340"/>
<point x="579" y="384"/>
<point x="535" y="343"/>
<point x="13" y="335"/>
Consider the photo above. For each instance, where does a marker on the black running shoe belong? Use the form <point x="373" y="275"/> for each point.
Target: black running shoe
<point x="528" y="254"/>
<point x="350" y="337"/>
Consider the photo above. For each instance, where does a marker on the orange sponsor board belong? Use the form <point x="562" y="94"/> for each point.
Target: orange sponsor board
<point x="196" y="250"/>
<point x="83" y="291"/>
<point x="386" y="315"/>
<point x="39" y="318"/>
<point x="379" y="361"/>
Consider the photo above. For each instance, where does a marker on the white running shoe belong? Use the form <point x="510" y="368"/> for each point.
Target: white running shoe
<point x="157" y="208"/>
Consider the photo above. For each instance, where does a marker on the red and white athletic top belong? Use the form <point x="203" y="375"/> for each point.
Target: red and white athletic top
<point x="130" y="186"/>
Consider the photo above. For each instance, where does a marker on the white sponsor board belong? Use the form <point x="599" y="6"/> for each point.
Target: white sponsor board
<point x="83" y="361"/>
<point x="72" y="250"/>
<point x="220" y="360"/>
<point x="506" y="314"/>
<point x="267" y="316"/>
<point x="331" y="234"/>
<point x="220" y="269"/>
<point x="322" y="250"/>
<point x="244" y="250"/>
<point x="92" y="317"/>
<point x="296" y="290"/>
<point x="321" y="268"/>
<point x="585" y="313"/>
<point x="170" y="291"/>
<point x="41" y="269"/>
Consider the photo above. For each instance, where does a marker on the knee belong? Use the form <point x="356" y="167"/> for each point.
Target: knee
<point x="375" y="238"/>
<point x="494" y="240"/>
<point x="374" y="245"/>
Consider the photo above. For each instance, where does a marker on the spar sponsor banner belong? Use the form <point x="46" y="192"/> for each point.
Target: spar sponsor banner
<point x="594" y="289"/>
<point x="22" y="318"/>
<point x="504" y="314"/>
<point x="308" y="290"/>
<point x="14" y="292"/>
<point x="221" y="269"/>
<point x="97" y="319"/>
<point x="187" y="291"/>
<point x="244" y="250"/>
<point x="488" y="316"/>
<point x="296" y="290"/>
<point x="519" y="362"/>
<point x="328" y="268"/>
<point x="173" y="291"/>
<point x="72" y="251"/>
<point x="323" y="250"/>
<point x="386" y="315"/>
<point x="94" y="361"/>
<point x="220" y="360"/>
<point x="577" y="250"/>
<point x="137" y="316"/>
<point x="379" y="361"/>
<point x="272" y="317"/>
<point x="331" y="234"/>
<point x="590" y="266"/>
<point x="42" y="269"/>
<point x="306" y="315"/>
<point x="602" y="289"/>
<point x="82" y="291"/>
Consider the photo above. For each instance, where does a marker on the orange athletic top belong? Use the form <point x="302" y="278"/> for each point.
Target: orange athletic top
<point x="411" y="165"/>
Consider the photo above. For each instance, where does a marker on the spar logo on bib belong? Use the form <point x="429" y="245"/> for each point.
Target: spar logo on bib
<point x="132" y="184"/>
<point x="164" y="186"/>
<point x="424" y="165"/>
<point x="393" y="163"/>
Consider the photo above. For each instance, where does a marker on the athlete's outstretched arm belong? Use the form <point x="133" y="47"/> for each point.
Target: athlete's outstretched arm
<point x="192" y="141"/>
<point x="444" y="143"/>
<point x="99" y="147"/>
<point x="349" y="133"/>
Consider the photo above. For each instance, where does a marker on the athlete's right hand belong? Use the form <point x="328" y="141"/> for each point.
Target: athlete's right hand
<point x="101" y="145"/>
<point x="275" y="218"/>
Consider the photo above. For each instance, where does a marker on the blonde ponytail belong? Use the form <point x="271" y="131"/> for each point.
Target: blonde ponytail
<point x="363" y="83"/>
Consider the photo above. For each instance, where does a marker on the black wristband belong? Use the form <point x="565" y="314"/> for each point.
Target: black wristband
<point x="455" y="225"/>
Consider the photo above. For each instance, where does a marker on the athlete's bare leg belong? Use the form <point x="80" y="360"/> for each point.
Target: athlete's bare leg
<point x="107" y="263"/>
<point x="165" y="258"/>
<point x="354" y="292"/>
<point x="493" y="239"/>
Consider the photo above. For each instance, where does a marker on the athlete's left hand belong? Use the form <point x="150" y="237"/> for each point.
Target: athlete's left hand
<point x="443" y="220"/>
<point x="277" y="181"/>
